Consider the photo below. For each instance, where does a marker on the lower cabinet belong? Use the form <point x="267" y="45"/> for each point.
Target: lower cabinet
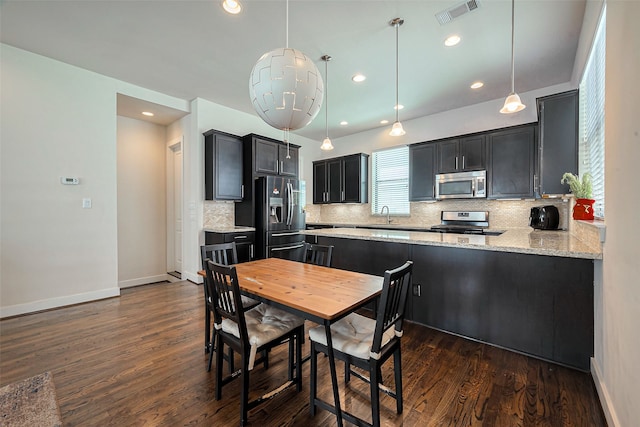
<point x="245" y="242"/>
<point x="538" y="305"/>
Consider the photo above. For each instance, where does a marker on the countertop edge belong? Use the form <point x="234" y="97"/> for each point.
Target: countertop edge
<point x="494" y="245"/>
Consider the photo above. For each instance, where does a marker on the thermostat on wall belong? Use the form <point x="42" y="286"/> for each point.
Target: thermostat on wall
<point x="69" y="181"/>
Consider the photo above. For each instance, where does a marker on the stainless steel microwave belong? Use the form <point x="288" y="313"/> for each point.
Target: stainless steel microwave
<point x="461" y="185"/>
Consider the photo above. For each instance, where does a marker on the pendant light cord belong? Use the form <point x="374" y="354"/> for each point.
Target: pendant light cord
<point x="326" y="93"/>
<point x="286" y="42"/>
<point x="513" y="85"/>
<point x="397" y="69"/>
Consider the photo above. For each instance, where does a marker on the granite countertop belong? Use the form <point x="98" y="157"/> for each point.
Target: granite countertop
<point x="519" y="240"/>
<point x="229" y="229"/>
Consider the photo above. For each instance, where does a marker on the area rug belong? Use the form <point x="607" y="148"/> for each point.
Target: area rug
<point x="31" y="402"/>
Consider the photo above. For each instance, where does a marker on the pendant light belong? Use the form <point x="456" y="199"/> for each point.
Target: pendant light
<point x="326" y="144"/>
<point x="285" y="87"/>
<point x="232" y="6"/>
<point x="397" y="129"/>
<point x="512" y="104"/>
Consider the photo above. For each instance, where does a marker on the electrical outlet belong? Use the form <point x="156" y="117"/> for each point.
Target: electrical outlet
<point x="86" y="203"/>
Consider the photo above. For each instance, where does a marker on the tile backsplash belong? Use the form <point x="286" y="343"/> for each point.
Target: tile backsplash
<point x="502" y="213"/>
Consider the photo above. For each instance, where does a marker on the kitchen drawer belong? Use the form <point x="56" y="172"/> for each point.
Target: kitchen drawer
<point x="240" y="237"/>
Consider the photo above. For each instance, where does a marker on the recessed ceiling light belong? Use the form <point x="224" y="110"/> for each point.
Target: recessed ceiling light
<point x="384" y="122"/>
<point x="477" y="85"/>
<point x="147" y="113"/>
<point x="344" y="123"/>
<point x="398" y="107"/>
<point x="359" y="78"/>
<point x="452" y="40"/>
<point x="232" y="6"/>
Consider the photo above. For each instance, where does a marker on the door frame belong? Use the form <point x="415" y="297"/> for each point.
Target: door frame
<point x="173" y="145"/>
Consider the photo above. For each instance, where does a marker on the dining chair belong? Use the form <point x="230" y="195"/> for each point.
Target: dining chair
<point x="317" y="254"/>
<point x="226" y="254"/>
<point x="250" y="332"/>
<point x="367" y="343"/>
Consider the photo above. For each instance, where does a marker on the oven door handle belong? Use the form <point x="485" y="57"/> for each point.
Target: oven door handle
<point x="287" y="248"/>
<point x="285" y="234"/>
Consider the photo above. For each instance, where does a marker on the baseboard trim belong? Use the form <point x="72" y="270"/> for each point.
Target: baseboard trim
<point x="57" y="302"/>
<point x="146" y="280"/>
<point x="603" y="394"/>
<point x="195" y="278"/>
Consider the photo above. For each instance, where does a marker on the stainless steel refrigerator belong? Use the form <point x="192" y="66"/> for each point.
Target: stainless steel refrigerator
<point x="279" y="217"/>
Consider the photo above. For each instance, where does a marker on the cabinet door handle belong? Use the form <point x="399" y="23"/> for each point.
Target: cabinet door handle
<point x="239" y="237"/>
<point x="242" y="191"/>
<point x="277" y="167"/>
<point x="462" y="162"/>
<point x="342" y="196"/>
<point x="281" y="166"/>
<point x="251" y="251"/>
<point x="456" y="162"/>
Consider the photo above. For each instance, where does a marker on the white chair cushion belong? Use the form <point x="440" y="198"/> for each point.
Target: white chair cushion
<point x="352" y="335"/>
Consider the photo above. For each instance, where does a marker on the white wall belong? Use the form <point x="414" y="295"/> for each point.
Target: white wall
<point x="618" y="347"/>
<point x="142" y="206"/>
<point x="58" y="120"/>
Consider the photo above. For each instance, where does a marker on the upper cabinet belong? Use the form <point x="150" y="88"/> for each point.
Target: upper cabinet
<point x="272" y="157"/>
<point x="558" y="140"/>
<point x="461" y="154"/>
<point x="422" y="160"/>
<point x="222" y="166"/>
<point x="341" y="179"/>
<point x="511" y="168"/>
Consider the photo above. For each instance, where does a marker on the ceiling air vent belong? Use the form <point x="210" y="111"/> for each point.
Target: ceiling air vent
<point x="457" y="11"/>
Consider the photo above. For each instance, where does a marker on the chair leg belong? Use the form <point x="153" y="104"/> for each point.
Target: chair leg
<point x="230" y="360"/>
<point x="375" y="396"/>
<point x="347" y="372"/>
<point x="219" y="362"/>
<point x="291" y="357"/>
<point x="207" y="329"/>
<point x="299" y="339"/>
<point x="313" y="374"/>
<point x="397" y="369"/>
<point x="244" y="392"/>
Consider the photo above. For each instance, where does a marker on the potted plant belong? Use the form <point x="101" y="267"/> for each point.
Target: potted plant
<point x="581" y="189"/>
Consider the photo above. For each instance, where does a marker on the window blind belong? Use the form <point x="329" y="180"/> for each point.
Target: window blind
<point x="592" y="94"/>
<point x="390" y="180"/>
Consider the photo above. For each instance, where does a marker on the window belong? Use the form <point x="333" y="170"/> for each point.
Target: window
<point x="390" y="180"/>
<point x="592" y="117"/>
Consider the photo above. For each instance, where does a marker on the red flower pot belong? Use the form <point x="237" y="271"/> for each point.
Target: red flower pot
<point x="583" y="209"/>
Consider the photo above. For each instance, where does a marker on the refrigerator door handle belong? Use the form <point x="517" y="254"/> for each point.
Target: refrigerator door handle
<point x="290" y="203"/>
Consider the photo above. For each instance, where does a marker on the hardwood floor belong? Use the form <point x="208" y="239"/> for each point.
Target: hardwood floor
<point x="139" y="360"/>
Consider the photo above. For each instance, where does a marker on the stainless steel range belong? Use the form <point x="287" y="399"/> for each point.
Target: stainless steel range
<point x="465" y="222"/>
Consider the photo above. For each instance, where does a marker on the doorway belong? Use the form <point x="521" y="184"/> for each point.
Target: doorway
<point x="174" y="209"/>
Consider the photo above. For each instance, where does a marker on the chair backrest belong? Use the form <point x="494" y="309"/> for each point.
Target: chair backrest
<point x="220" y="253"/>
<point x="317" y="254"/>
<point x="393" y="301"/>
<point x="223" y="286"/>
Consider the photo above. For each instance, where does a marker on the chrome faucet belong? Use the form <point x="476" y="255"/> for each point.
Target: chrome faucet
<point x="382" y="213"/>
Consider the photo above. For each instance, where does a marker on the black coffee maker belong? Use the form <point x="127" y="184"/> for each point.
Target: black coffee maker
<point x="544" y="218"/>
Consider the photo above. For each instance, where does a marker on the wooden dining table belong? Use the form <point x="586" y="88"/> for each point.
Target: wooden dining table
<point x="320" y="294"/>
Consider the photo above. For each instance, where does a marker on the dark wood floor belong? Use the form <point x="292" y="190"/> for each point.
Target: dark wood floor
<point x="139" y="360"/>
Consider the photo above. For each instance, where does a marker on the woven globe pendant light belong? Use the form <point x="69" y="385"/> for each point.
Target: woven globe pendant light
<point x="286" y="88"/>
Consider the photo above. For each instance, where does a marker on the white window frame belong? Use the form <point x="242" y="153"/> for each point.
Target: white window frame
<point x="591" y="127"/>
<point x="390" y="180"/>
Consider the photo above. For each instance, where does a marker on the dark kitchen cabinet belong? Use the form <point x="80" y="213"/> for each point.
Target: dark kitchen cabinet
<point x="461" y="154"/>
<point x="422" y="160"/>
<point x="245" y="242"/>
<point x="223" y="166"/>
<point x="557" y="141"/>
<point x="511" y="162"/>
<point x="269" y="156"/>
<point x="539" y="305"/>
<point x="341" y="179"/>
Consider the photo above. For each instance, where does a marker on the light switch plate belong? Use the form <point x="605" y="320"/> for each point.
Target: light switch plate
<point x="86" y="203"/>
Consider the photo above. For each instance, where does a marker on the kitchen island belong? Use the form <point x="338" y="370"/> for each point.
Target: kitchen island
<point x="525" y="290"/>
